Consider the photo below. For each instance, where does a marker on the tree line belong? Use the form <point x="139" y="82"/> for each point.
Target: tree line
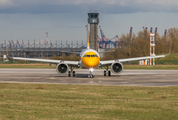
<point x="139" y="45"/>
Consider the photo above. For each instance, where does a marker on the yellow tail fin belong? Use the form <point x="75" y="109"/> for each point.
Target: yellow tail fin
<point x="88" y="45"/>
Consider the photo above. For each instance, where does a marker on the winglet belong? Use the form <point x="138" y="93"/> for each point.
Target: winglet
<point x="169" y="51"/>
<point x="88" y="45"/>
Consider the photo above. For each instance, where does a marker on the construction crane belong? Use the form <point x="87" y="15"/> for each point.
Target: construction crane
<point x="108" y="43"/>
<point x="18" y="44"/>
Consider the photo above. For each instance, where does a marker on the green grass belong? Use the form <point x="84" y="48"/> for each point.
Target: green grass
<point x="155" y="67"/>
<point x="46" y="66"/>
<point x="47" y="101"/>
<point x="172" y="59"/>
<point x="37" y="65"/>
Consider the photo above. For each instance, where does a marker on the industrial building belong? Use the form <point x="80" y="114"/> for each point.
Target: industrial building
<point x="38" y="49"/>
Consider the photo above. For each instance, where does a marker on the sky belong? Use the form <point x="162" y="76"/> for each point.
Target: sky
<point x="66" y="19"/>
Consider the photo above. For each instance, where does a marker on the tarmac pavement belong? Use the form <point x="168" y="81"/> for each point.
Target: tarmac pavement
<point x="125" y="78"/>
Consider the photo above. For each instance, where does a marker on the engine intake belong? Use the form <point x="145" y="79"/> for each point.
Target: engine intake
<point x="116" y="67"/>
<point x="62" y="68"/>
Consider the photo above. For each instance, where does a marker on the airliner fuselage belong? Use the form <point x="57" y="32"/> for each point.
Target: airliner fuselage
<point x="90" y="59"/>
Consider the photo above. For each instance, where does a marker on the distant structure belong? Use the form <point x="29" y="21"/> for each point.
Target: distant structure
<point x="155" y="34"/>
<point x="40" y="49"/>
<point x="151" y="29"/>
<point x="131" y="35"/>
<point x="46" y="35"/>
<point x="152" y="46"/>
<point x="93" y="20"/>
<point x="107" y="43"/>
<point x="165" y="33"/>
<point x="152" y="49"/>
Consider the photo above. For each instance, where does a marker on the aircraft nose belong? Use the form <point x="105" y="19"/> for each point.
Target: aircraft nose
<point x="92" y="63"/>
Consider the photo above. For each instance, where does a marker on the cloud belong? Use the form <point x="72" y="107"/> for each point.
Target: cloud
<point x="6" y="4"/>
<point x="77" y="6"/>
<point x="40" y="9"/>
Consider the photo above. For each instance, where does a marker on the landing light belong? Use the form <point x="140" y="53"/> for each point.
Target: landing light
<point x="91" y="69"/>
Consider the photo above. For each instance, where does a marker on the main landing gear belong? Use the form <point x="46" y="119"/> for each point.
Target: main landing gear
<point x="107" y="72"/>
<point x="71" y="73"/>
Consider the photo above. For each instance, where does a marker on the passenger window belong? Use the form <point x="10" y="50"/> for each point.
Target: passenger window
<point x="92" y="55"/>
<point x="88" y="55"/>
<point x="96" y="55"/>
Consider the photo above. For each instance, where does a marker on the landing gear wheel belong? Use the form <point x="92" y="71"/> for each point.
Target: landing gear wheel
<point x="69" y="74"/>
<point x="109" y="73"/>
<point x="73" y="73"/>
<point x="89" y="76"/>
<point x="104" y="73"/>
<point x="92" y="76"/>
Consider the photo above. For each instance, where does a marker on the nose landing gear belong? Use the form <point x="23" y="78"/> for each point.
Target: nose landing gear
<point x="90" y="75"/>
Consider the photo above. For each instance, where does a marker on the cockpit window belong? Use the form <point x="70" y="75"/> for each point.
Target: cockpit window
<point x="92" y="55"/>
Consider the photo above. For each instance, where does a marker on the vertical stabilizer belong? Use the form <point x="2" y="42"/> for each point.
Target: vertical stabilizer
<point x="88" y="45"/>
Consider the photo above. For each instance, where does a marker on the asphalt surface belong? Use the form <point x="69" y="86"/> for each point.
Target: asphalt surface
<point x="126" y="78"/>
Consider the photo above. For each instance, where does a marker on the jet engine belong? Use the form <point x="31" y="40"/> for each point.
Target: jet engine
<point x="62" y="68"/>
<point x="116" y="67"/>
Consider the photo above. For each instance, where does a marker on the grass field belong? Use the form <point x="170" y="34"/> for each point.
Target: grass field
<point x="46" y="101"/>
<point x="37" y="65"/>
<point x="168" y="60"/>
<point x="164" y="67"/>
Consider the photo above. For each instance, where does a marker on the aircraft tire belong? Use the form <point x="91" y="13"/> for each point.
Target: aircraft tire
<point x="109" y="73"/>
<point x="73" y="73"/>
<point x="89" y="76"/>
<point x="104" y="73"/>
<point x="69" y="74"/>
<point x="92" y="76"/>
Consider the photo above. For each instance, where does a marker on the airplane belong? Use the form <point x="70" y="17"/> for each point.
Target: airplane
<point x="90" y="59"/>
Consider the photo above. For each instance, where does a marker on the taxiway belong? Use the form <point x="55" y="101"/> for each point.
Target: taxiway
<point x="126" y="78"/>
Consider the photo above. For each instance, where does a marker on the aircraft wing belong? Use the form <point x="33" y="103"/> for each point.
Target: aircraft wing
<point x="108" y="62"/>
<point x="75" y="63"/>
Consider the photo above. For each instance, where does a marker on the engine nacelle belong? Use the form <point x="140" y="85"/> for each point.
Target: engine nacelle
<point x="116" y="67"/>
<point x="62" y="68"/>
